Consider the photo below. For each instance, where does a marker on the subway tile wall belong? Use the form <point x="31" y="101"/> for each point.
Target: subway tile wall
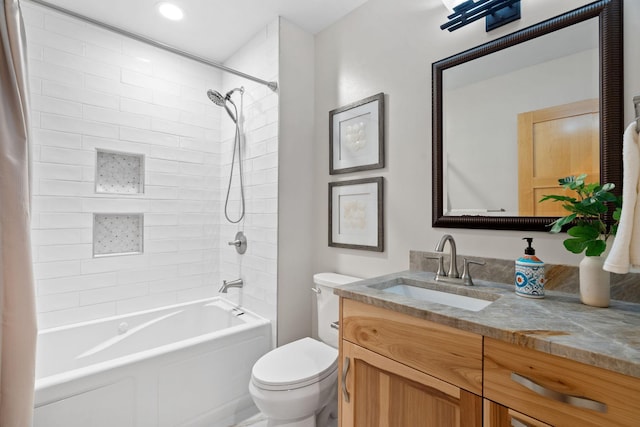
<point x="259" y="122"/>
<point x="93" y="89"/>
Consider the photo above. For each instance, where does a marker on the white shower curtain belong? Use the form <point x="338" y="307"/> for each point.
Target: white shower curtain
<point x="17" y="300"/>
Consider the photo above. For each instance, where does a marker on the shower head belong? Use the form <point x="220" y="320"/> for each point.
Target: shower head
<point x="221" y="101"/>
<point x="216" y="97"/>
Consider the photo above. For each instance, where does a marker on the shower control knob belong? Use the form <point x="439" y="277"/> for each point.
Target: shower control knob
<point x="240" y="242"/>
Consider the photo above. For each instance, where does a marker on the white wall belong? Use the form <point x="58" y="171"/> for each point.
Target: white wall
<point x="295" y="301"/>
<point x="258" y="266"/>
<point x="389" y="46"/>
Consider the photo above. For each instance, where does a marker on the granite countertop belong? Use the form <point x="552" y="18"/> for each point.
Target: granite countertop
<point x="559" y="324"/>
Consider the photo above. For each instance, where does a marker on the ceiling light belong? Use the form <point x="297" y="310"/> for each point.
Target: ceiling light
<point x="170" y="11"/>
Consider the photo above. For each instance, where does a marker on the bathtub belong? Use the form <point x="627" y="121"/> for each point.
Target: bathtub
<point x="183" y="365"/>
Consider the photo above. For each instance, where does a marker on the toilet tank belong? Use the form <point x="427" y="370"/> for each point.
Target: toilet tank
<point x="327" y="304"/>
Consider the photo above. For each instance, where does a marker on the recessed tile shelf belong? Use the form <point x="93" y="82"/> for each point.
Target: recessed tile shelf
<point x="119" y="173"/>
<point x="117" y="234"/>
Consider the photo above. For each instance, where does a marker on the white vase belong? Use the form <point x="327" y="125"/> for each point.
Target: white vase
<point x="595" y="287"/>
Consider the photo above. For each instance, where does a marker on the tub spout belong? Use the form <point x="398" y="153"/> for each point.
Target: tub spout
<point x="230" y="284"/>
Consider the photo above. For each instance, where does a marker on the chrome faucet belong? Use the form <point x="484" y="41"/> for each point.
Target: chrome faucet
<point x="453" y="260"/>
<point x="230" y="284"/>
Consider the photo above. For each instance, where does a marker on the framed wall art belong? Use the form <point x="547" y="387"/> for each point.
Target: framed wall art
<point x="356" y="214"/>
<point x="356" y="136"/>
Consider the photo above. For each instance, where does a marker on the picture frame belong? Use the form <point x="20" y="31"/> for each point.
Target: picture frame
<point x="356" y="214"/>
<point x="356" y="136"/>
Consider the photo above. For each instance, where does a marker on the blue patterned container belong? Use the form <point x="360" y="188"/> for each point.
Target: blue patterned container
<point x="529" y="278"/>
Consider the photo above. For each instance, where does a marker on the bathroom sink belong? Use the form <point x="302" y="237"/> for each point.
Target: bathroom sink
<point x="439" y="297"/>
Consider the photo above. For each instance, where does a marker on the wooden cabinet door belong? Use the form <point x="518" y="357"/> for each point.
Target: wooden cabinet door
<point x="553" y="143"/>
<point x="496" y="415"/>
<point x="376" y="391"/>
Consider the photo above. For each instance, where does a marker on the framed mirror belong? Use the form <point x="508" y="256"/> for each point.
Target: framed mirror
<point x="502" y="112"/>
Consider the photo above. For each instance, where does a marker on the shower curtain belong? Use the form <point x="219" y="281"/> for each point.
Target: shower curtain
<point x="17" y="300"/>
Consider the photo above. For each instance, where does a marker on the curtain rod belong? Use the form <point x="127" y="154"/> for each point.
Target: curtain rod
<point x="271" y="85"/>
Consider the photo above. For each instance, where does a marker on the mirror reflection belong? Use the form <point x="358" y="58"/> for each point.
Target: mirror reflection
<point x="538" y="121"/>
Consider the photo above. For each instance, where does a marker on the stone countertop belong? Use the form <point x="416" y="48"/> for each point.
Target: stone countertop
<point x="558" y="324"/>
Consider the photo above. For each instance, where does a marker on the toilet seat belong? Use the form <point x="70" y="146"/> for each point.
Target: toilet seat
<point x="295" y="365"/>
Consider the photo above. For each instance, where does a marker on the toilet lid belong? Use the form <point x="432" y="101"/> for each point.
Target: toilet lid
<point x="295" y="365"/>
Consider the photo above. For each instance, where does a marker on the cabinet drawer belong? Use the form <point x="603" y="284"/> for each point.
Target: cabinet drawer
<point x="556" y="390"/>
<point x="446" y="353"/>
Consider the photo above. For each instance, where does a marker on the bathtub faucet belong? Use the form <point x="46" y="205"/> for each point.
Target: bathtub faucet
<point x="230" y="284"/>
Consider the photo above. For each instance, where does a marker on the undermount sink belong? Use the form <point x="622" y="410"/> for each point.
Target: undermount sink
<point x="438" y="297"/>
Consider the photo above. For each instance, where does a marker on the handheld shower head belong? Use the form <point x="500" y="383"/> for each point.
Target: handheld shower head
<point x="216" y="97"/>
<point x="224" y="101"/>
<point x="221" y="101"/>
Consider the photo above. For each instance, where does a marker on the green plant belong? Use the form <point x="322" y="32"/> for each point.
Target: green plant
<point x="589" y="232"/>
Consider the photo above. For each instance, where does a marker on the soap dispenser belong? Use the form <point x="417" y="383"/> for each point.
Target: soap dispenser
<point x="529" y="278"/>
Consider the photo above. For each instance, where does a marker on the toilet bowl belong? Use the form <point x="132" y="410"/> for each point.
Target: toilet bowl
<point x="292" y="382"/>
<point x="295" y="385"/>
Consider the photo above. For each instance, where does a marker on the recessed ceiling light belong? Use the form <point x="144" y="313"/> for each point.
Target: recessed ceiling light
<point x="170" y="11"/>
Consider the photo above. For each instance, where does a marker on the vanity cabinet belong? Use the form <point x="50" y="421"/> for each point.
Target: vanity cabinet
<point x="556" y="390"/>
<point x="402" y="371"/>
<point x="496" y="415"/>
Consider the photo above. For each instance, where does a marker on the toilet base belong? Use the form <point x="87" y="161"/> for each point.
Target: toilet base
<point x="328" y="413"/>
<point x="306" y="422"/>
<point x="327" y="417"/>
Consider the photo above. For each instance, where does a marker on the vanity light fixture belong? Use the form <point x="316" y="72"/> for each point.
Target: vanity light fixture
<point x="497" y="13"/>
<point x="170" y="11"/>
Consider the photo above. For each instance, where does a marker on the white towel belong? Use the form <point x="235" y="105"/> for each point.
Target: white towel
<point x="625" y="251"/>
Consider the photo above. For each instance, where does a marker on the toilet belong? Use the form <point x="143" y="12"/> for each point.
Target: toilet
<point x="295" y="385"/>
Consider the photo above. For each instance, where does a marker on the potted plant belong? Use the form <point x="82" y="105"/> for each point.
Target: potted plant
<point x="589" y="232"/>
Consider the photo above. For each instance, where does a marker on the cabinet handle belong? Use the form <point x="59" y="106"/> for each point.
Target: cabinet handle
<point x="345" y="371"/>
<point x="579" y="402"/>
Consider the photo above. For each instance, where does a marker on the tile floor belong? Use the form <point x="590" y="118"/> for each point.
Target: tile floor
<point x="255" y="421"/>
<point x="260" y="421"/>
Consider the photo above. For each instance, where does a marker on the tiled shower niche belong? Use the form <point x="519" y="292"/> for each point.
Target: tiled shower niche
<point x="119" y="173"/>
<point x="117" y="234"/>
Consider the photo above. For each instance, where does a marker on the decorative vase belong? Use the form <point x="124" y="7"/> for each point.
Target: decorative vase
<point x="595" y="287"/>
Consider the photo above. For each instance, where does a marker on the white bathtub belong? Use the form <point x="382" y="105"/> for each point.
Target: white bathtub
<point x="183" y="365"/>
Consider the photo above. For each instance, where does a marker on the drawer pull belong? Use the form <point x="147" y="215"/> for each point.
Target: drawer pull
<point x="335" y="325"/>
<point x="345" y="371"/>
<point x="579" y="402"/>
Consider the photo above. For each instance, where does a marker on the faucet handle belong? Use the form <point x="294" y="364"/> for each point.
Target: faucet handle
<point x="440" y="272"/>
<point x="240" y="242"/>
<point x="466" y="273"/>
